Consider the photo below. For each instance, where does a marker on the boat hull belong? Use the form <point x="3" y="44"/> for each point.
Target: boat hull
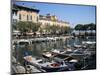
<point x="51" y="69"/>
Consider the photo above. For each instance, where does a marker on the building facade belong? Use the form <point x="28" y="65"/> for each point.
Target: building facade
<point x="52" y="20"/>
<point x="23" y="13"/>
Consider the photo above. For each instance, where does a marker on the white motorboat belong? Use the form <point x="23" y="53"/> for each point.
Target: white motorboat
<point x="88" y="42"/>
<point x="23" y="42"/>
<point x="50" y="65"/>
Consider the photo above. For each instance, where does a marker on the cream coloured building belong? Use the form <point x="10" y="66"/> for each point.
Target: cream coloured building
<point x="23" y="13"/>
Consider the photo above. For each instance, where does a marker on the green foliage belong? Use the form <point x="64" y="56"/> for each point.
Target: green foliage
<point x="90" y="26"/>
<point x="27" y="26"/>
<point x="35" y="27"/>
<point x="22" y="26"/>
<point x="79" y="27"/>
<point x="54" y="29"/>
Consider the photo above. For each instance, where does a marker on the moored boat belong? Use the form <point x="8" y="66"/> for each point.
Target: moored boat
<point x="51" y="65"/>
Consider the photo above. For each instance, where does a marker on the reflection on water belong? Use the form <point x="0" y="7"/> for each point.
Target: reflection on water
<point x="38" y="48"/>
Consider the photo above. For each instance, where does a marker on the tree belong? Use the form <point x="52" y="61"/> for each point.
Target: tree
<point x="48" y="29"/>
<point x="68" y="29"/>
<point x="14" y="27"/>
<point x="91" y="27"/>
<point x="22" y="26"/>
<point x="27" y="26"/>
<point x="85" y="27"/>
<point x="35" y="27"/>
<point x="79" y="27"/>
<point x="54" y="29"/>
<point x="41" y="30"/>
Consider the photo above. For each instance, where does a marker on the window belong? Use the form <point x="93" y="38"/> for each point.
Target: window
<point x="20" y="16"/>
<point x="31" y="17"/>
<point x="37" y="19"/>
<point x="27" y="17"/>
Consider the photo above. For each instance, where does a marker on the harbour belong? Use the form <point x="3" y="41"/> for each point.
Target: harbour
<point x="72" y="51"/>
<point x="52" y="40"/>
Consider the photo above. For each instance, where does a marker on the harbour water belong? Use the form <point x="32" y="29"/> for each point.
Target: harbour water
<point x="85" y="56"/>
<point x="37" y="48"/>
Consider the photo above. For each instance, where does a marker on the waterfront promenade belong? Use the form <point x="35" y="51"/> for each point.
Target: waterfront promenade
<point x="42" y="39"/>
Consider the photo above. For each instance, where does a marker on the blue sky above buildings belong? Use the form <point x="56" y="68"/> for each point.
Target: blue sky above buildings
<point x="75" y="14"/>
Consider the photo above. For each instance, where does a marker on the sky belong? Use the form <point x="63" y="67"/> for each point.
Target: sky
<point x="74" y="14"/>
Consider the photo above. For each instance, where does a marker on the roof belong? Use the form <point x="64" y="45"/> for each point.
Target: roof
<point x="18" y="7"/>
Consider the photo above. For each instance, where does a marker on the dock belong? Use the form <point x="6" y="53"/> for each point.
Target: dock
<point x="44" y="39"/>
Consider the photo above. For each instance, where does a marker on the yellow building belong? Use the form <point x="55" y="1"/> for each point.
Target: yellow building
<point x="51" y="20"/>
